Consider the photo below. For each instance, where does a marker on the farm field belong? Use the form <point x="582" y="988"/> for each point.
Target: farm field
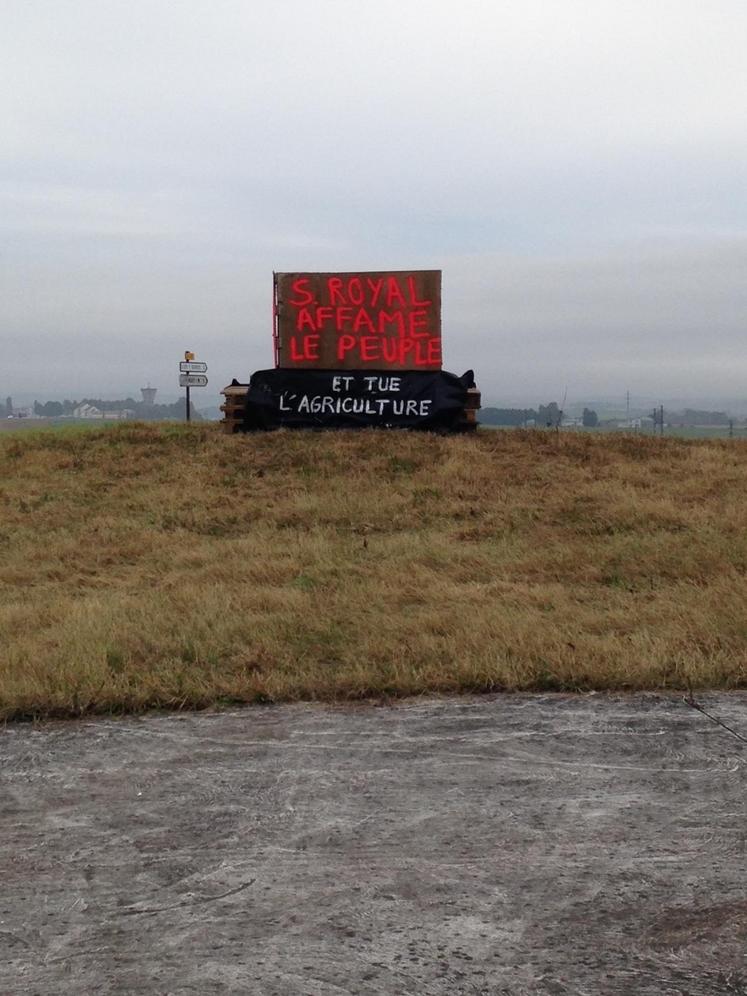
<point x="165" y="566"/>
<point x="706" y="432"/>
<point x="45" y="424"/>
<point x="673" y="431"/>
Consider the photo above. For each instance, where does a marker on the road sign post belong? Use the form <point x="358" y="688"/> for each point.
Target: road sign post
<point x="191" y="374"/>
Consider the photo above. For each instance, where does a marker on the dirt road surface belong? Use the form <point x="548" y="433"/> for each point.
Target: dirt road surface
<point x="511" y="845"/>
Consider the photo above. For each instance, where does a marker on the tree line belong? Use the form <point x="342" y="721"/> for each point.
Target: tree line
<point x="56" y="409"/>
<point x="546" y="416"/>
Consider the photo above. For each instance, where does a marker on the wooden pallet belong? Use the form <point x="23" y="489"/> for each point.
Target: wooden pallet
<point x="235" y="403"/>
<point x="233" y="407"/>
<point x="471" y="408"/>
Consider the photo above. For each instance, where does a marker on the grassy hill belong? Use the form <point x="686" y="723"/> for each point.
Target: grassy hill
<point x="166" y="566"/>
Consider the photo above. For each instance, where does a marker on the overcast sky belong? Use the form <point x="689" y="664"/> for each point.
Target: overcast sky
<point x="578" y="171"/>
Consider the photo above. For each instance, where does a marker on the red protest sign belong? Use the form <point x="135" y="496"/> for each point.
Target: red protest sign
<point x="354" y="321"/>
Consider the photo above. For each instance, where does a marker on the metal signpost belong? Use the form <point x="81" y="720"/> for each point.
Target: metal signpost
<point x="191" y="375"/>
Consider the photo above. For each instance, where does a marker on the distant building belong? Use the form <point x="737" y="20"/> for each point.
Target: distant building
<point x="91" y="411"/>
<point x="149" y="395"/>
<point x="87" y="411"/>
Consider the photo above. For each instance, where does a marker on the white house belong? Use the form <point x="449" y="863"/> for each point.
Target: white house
<point x="87" y="411"/>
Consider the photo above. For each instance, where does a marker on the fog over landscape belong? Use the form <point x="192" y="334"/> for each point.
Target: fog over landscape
<point x="576" y="170"/>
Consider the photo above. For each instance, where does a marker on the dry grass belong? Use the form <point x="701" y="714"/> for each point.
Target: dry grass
<point x="148" y="566"/>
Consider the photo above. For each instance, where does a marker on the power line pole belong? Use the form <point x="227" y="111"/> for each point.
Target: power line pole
<point x="658" y="419"/>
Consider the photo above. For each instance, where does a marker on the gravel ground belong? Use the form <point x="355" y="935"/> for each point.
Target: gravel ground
<point x="524" y="844"/>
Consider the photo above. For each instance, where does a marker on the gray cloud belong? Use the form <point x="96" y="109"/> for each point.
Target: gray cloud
<point x="577" y="171"/>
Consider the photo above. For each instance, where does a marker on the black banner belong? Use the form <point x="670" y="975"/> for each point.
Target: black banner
<point x="353" y="399"/>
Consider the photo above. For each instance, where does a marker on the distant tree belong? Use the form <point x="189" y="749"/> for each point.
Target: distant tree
<point x="589" y="418"/>
<point x="49" y="409"/>
<point x="112" y="406"/>
<point x="549" y="415"/>
<point x="693" y="416"/>
<point x="507" y="416"/>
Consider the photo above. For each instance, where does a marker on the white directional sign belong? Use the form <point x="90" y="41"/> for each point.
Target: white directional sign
<point x="192" y="380"/>
<point x="193" y="367"/>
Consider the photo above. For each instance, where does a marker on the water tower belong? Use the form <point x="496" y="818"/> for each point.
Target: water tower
<point x="149" y="395"/>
